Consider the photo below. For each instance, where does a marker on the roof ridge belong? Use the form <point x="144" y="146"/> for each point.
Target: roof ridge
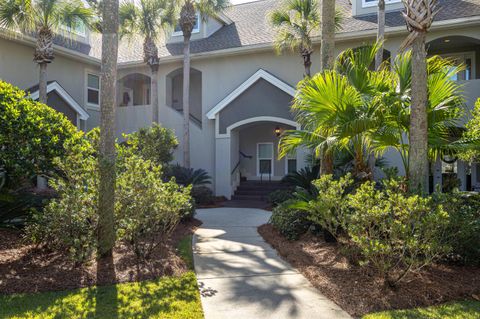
<point x="247" y="3"/>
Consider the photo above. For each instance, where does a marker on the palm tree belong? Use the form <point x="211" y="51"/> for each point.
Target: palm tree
<point x="419" y="15"/>
<point x="380" y="33"/>
<point x="295" y="22"/>
<point x="106" y="205"/>
<point x="187" y="22"/>
<point x="327" y="25"/>
<point x="148" y="18"/>
<point x="44" y="18"/>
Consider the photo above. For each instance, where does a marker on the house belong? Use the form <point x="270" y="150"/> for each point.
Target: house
<point x="240" y="89"/>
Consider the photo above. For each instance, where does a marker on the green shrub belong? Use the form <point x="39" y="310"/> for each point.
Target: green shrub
<point x="31" y="135"/>
<point x="290" y="222"/>
<point x="187" y="176"/>
<point x="148" y="209"/>
<point x="464" y="225"/>
<point x="279" y="196"/>
<point x="326" y="209"/>
<point x="203" y="195"/>
<point x="303" y="179"/>
<point x="15" y="207"/>
<point x="155" y="143"/>
<point x="394" y="233"/>
<point x="69" y="222"/>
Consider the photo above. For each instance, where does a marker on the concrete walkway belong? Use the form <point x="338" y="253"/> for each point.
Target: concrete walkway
<point x="241" y="276"/>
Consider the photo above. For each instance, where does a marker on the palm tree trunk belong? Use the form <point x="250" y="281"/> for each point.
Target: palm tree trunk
<point x="418" y="169"/>
<point x="380" y="33"/>
<point x="327" y="50"/>
<point x="327" y="57"/>
<point x="186" y="101"/>
<point x="106" y="205"/>
<point x="154" y="90"/>
<point x="42" y="83"/>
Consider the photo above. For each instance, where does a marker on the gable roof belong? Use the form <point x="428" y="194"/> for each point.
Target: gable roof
<point x="260" y="74"/>
<point x="55" y="86"/>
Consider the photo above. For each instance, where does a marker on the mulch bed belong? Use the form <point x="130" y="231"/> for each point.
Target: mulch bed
<point x="360" y="292"/>
<point x="25" y="268"/>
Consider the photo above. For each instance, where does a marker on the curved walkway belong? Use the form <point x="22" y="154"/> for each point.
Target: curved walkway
<point x="241" y="276"/>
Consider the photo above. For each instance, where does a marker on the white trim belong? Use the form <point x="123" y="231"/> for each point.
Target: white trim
<point x="374" y="3"/>
<point x="272" y="159"/>
<point x="252" y="120"/>
<point x="54" y="86"/>
<point x="260" y="74"/>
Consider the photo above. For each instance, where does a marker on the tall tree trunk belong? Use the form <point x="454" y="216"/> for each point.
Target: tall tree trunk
<point x="186" y="101"/>
<point x="154" y="85"/>
<point x="327" y="57"/>
<point x="327" y="50"/>
<point x="42" y="83"/>
<point x="307" y="61"/>
<point x="380" y="33"/>
<point x="418" y="160"/>
<point x="107" y="156"/>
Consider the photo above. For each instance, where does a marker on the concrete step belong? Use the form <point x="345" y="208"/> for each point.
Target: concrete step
<point x="245" y="191"/>
<point x="250" y="197"/>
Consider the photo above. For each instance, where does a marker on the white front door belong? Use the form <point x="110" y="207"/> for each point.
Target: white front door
<point x="265" y="159"/>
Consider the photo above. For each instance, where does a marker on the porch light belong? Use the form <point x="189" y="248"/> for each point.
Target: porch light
<point x="447" y="40"/>
<point x="277" y="131"/>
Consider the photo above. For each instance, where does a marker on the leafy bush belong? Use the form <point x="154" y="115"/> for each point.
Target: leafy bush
<point x="464" y="225"/>
<point x="69" y="222"/>
<point x="187" y="176"/>
<point x="326" y="208"/>
<point x="394" y="233"/>
<point x="15" y="208"/>
<point x="203" y="195"/>
<point x="279" y="196"/>
<point x="154" y="143"/>
<point x="31" y="134"/>
<point x="290" y="222"/>
<point x="148" y="209"/>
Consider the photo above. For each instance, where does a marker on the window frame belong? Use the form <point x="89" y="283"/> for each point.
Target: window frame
<point x="291" y="157"/>
<point x="272" y="159"/>
<point x="194" y="31"/>
<point x="87" y="88"/>
<point x="82" y="34"/>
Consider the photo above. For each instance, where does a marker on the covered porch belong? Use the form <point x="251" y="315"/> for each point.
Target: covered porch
<point x="248" y="126"/>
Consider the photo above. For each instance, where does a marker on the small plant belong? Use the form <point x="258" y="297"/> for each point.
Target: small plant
<point x="326" y="208"/>
<point x="187" y="176"/>
<point x="279" y="196"/>
<point x="290" y="222"/>
<point x="303" y="178"/>
<point x="394" y="233"/>
<point x="148" y="209"/>
<point x="203" y="195"/>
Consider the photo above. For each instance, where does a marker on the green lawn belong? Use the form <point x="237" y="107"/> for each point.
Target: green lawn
<point x="167" y="297"/>
<point x="456" y="310"/>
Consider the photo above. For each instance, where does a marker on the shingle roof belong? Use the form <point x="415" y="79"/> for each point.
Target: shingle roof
<point x="250" y="27"/>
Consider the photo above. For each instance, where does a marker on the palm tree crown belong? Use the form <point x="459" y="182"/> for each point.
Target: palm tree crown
<point x="295" y="22"/>
<point x="45" y="18"/>
<point x="147" y="18"/>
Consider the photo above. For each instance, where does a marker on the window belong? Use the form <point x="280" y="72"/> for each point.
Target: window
<point x="93" y="90"/>
<point x="291" y="163"/>
<point x="468" y="61"/>
<point x="78" y="29"/>
<point x="372" y="3"/>
<point x="196" y="27"/>
<point x="265" y="159"/>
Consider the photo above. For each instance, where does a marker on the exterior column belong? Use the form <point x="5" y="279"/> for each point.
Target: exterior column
<point x="437" y="175"/>
<point x="462" y="174"/>
<point x="223" y="169"/>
